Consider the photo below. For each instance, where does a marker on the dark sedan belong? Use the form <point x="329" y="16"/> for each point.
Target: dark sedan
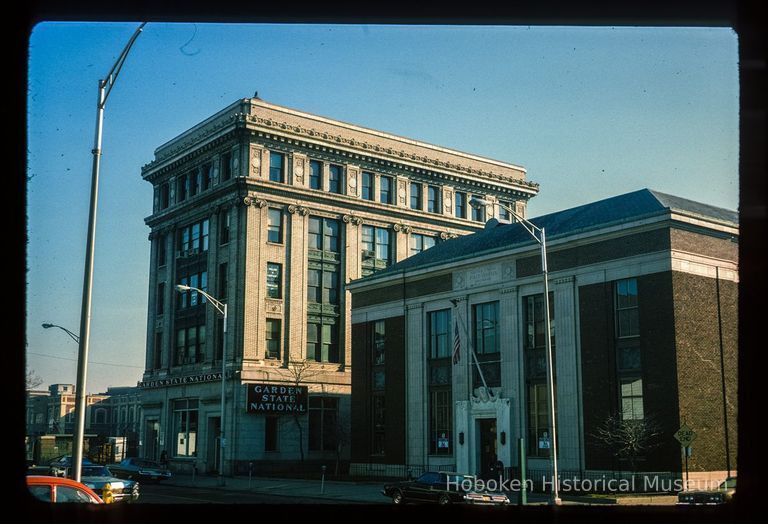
<point x="722" y="495"/>
<point x="140" y="469"/>
<point x="441" y="488"/>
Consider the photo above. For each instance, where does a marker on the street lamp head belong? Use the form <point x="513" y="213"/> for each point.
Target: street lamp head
<point x="478" y="202"/>
<point x="182" y="287"/>
<point x="47" y="325"/>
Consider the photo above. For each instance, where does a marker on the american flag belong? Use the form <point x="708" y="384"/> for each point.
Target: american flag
<point x="456" y="343"/>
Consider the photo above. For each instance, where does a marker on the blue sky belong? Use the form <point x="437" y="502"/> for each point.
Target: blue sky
<point x="589" y="112"/>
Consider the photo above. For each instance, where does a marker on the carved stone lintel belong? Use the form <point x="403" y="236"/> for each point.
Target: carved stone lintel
<point x="402" y="228"/>
<point x="352" y="219"/>
<point x="446" y="235"/>
<point x="296" y="208"/>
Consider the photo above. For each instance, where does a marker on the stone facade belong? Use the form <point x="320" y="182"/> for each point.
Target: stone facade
<point x="227" y="179"/>
<point x="665" y="366"/>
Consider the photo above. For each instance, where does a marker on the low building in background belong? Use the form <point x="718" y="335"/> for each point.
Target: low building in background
<point x="643" y="306"/>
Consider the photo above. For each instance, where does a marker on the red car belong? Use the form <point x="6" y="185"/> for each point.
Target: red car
<point x="60" y="489"/>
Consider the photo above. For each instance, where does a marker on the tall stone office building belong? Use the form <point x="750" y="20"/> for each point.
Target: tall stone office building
<point x="273" y="211"/>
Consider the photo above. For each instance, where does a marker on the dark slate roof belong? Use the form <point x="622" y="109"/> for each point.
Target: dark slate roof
<point x="612" y="211"/>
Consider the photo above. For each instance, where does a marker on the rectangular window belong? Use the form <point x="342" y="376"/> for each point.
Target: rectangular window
<point x="190" y="345"/>
<point x="486" y="344"/>
<point x="276" y="167"/>
<point x="478" y="213"/>
<point x="367" y="190"/>
<point x="314" y="288"/>
<point x="194" y="182"/>
<point x="226" y="166"/>
<point x="416" y="195"/>
<point x="335" y="179"/>
<point x="433" y="199"/>
<point x="460" y="202"/>
<point x="323" y="423"/>
<point x="160" y="299"/>
<point x="324" y="234"/>
<point x="271" y="425"/>
<point x="224" y="226"/>
<point x="376" y="249"/>
<point x="439" y="334"/>
<point x="274" y="280"/>
<point x="440" y="421"/>
<point x="539" y="438"/>
<point x="504" y="213"/>
<point x="185" y="414"/>
<point x="632" y="399"/>
<point x="273" y="338"/>
<point x="315" y="174"/>
<point x="378" y="420"/>
<point x="162" y="250"/>
<point x="181" y="188"/>
<point x="275" y="226"/>
<point x="207" y="176"/>
<point x="379" y="342"/>
<point x="323" y="342"/>
<point x="193" y="239"/>
<point x="192" y="297"/>
<point x="420" y="243"/>
<point x="165" y="199"/>
<point x="385" y="190"/>
<point x="158" y="353"/>
<point x="627" y="311"/>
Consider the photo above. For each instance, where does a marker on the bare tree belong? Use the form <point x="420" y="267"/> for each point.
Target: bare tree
<point x="300" y="371"/>
<point x="32" y="380"/>
<point x="343" y="436"/>
<point x="628" y="439"/>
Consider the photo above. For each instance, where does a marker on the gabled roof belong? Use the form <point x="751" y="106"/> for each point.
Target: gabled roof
<point x="613" y="211"/>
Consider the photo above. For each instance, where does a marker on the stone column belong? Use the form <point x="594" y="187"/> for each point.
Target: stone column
<point x="402" y="241"/>
<point x="566" y="369"/>
<point x="350" y="271"/>
<point x="416" y="430"/>
<point x="295" y="314"/>
<point x="254" y="238"/>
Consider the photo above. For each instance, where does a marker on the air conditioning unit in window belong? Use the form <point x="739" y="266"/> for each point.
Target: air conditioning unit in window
<point x="368" y="254"/>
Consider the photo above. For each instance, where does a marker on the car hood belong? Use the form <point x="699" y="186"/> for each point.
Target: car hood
<point x="98" y="482"/>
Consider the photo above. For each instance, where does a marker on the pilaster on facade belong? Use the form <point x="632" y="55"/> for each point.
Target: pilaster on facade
<point x="401" y="192"/>
<point x="299" y="170"/>
<point x="353" y="180"/>
<point x="566" y="373"/>
<point x="253" y="303"/>
<point x="295" y="284"/>
<point x="512" y="382"/>
<point x="447" y="200"/>
<point x="259" y="162"/>
<point x="415" y="386"/>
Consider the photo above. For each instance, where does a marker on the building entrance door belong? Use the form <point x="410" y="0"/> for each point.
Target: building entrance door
<point x="152" y="439"/>
<point x="486" y="431"/>
<point x="214" y="432"/>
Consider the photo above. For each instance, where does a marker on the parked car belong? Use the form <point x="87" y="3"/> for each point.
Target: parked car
<point x="110" y="488"/>
<point x="140" y="469"/>
<point x="59" y="466"/>
<point x="58" y="489"/>
<point x="722" y="495"/>
<point x="442" y="488"/>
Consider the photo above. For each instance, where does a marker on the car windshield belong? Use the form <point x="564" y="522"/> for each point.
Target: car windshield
<point x="95" y="471"/>
<point x="728" y="483"/>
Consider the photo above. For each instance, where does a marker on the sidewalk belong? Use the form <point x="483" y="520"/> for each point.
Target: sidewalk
<point x="330" y="491"/>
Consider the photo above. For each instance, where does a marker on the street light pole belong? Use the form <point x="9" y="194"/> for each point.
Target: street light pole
<point x="105" y="87"/>
<point x="68" y="332"/>
<point x="221" y="308"/>
<point x="541" y="238"/>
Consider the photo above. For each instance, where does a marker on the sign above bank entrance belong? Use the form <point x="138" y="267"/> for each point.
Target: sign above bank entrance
<point x="276" y="399"/>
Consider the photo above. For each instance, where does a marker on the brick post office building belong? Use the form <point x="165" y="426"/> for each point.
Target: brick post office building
<point x="273" y="211"/>
<point x="643" y="299"/>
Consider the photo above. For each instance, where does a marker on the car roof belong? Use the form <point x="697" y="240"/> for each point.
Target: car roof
<point x="46" y="480"/>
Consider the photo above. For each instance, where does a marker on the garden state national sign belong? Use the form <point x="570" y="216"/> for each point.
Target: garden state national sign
<point x="277" y="399"/>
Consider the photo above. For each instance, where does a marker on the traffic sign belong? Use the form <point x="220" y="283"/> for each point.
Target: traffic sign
<point x="685" y="435"/>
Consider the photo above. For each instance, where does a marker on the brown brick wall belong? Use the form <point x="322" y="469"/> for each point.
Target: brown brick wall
<point x="698" y="366"/>
<point x="626" y="246"/>
<point x="360" y="408"/>
<point x="395" y="291"/>
<point x="707" y="245"/>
